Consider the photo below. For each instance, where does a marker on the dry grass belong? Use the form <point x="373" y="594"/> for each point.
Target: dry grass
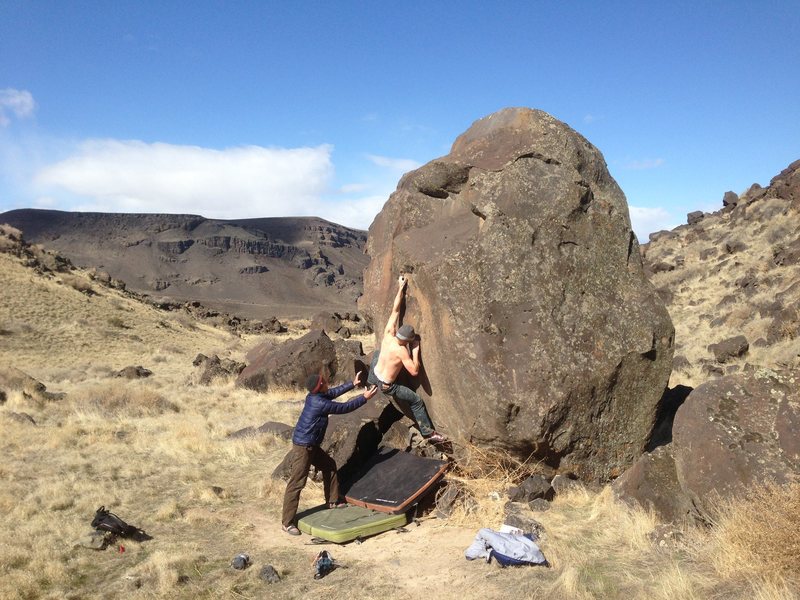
<point x="758" y="536"/>
<point x="482" y="477"/>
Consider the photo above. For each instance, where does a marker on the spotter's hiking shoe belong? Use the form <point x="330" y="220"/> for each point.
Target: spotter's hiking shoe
<point x="290" y="529"/>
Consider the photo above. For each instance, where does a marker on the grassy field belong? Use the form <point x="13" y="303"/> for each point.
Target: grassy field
<point x="156" y="452"/>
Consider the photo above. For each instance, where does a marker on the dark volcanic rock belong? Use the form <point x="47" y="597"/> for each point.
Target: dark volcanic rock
<point x="652" y="482"/>
<point x="521" y="517"/>
<point x="737" y="431"/>
<point x="731" y="348"/>
<point x="531" y="488"/>
<point x="562" y="484"/>
<point x="12" y="378"/>
<point x="280" y="430"/>
<point x="730" y="199"/>
<point x="289" y="364"/>
<point x="23" y="418"/>
<point x="694" y="217"/>
<point x="328" y="322"/>
<point x="134" y="372"/>
<point x="785" y="324"/>
<point x="214" y="368"/>
<point x="540" y="332"/>
<point x="347" y="353"/>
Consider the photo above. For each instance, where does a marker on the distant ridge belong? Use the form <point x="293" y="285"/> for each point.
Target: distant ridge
<point x="284" y="266"/>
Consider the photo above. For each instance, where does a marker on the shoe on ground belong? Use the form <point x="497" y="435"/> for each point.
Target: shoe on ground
<point x="436" y="438"/>
<point x="337" y="504"/>
<point x="290" y="529"/>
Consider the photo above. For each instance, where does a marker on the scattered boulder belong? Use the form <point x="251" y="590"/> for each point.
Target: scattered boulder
<point x="563" y="484"/>
<point x="662" y="267"/>
<point x="730" y="348"/>
<point x="347" y="353"/>
<point x="681" y="363"/>
<point x="289" y="364"/>
<point x="708" y="253"/>
<point x="652" y="482"/>
<point x="280" y="430"/>
<point x="137" y="372"/>
<point x="735" y="432"/>
<point x="214" y="368"/>
<point x="570" y="365"/>
<point x="535" y="486"/>
<point x="711" y="369"/>
<point x="788" y="254"/>
<point x="539" y="505"/>
<point x="448" y="495"/>
<point x="12" y="378"/>
<point x="328" y="322"/>
<point x="735" y="245"/>
<point x="730" y="199"/>
<point x="33" y="256"/>
<point x="272" y="325"/>
<point x="268" y="574"/>
<point x="519" y="516"/>
<point x="22" y="418"/>
<point x="785" y="325"/>
<point x="695" y="217"/>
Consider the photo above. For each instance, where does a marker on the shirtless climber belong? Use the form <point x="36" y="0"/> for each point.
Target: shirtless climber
<point x="400" y="348"/>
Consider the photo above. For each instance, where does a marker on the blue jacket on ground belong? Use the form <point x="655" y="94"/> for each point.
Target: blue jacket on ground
<point x="313" y="421"/>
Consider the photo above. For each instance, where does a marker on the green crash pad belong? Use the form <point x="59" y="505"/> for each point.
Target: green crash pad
<point x="342" y="525"/>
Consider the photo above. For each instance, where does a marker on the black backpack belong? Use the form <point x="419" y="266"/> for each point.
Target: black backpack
<point x="105" y="520"/>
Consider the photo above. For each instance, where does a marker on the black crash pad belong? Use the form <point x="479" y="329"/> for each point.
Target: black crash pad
<point x="393" y="480"/>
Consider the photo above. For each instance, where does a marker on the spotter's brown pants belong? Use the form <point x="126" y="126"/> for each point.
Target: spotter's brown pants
<point x="301" y="458"/>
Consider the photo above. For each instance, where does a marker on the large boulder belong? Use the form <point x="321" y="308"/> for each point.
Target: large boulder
<point x="287" y="365"/>
<point x="540" y="332"/>
<point x="738" y="431"/>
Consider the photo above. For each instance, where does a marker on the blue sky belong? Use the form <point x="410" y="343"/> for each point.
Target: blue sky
<point x="243" y="109"/>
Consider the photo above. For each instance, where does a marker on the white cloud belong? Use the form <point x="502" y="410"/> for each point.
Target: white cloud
<point x="352" y="188"/>
<point x="644" y="164"/>
<point x="357" y="213"/>
<point x="646" y="220"/>
<point x="402" y="165"/>
<point x="19" y="102"/>
<point x="134" y="176"/>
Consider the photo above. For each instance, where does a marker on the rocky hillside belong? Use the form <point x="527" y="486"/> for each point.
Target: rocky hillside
<point x="731" y="282"/>
<point x="253" y="267"/>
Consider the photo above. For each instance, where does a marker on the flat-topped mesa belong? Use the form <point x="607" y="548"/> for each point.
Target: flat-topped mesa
<point x="259" y="267"/>
<point x="540" y="332"/>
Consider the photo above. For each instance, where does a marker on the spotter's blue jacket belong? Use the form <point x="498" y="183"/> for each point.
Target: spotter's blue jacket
<point x="313" y="421"/>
